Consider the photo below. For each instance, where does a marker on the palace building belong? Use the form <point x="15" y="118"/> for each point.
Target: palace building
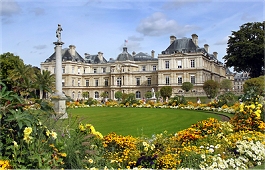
<point x="182" y="61"/>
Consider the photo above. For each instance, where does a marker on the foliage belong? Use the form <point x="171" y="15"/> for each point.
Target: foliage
<point x="227" y="98"/>
<point x="148" y="95"/>
<point x="187" y="86"/>
<point x="226" y="84"/>
<point x="176" y="100"/>
<point x="210" y="87"/>
<point x="118" y="95"/>
<point x="24" y="141"/>
<point x="257" y="84"/>
<point x="104" y="94"/>
<point x="245" y="50"/>
<point x="249" y="117"/>
<point x="166" y="91"/>
<point x="8" y="62"/>
<point x="45" y="82"/>
<point x="85" y="95"/>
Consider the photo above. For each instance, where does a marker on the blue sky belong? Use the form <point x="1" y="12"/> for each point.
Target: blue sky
<point x="28" y="26"/>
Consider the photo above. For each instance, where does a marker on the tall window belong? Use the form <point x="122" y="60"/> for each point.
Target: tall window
<point x="63" y="83"/>
<point x="87" y="83"/>
<point x="78" y="82"/>
<point x="73" y="69"/>
<point x="63" y="69"/>
<point x="138" y="94"/>
<point x="154" y="68"/>
<point x="96" y="95"/>
<point x="138" y="81"/>
<point x="179" y="64"/>
<point x="96" y="82"/>
<point x="79" y="95"/>
<point x="95" y="70"/>
<point x="149" y="81"/>
<point x="179" y="80"/>
<point x="104" y="70"/>
<point x="167" y="64"/>
<point x="192" y="79"/>
<point x="118" y="81"/>
<point x="167" y="80"/>
<point x="192" y="63"/>
<point x="143" y="68"/>
<point x="106" y="82"/>
<point x="73" y="95"/>
<point x="78" y="70"/>
<point x="73" y="82"/>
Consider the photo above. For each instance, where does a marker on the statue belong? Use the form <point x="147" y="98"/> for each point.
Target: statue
<point x="153" y="93"/>
<point x="58" y="33"/>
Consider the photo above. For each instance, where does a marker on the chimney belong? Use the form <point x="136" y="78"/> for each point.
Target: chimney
<point x="153" y="53"/>
<point x="215" y="54"/>
<point x="195" y="39"/>
<point x="100" y="56"/>
<point x="172" y="39"/>
<point x="133" y="53"/>
<point x="206" y="47"/>
<point x="72" y="50"/>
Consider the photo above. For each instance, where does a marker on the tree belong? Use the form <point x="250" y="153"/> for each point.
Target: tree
<point x="257" y="84"/>
<point x="166" y="91"/>
<point x="8" y="62"/>
<point x="210" y="87"/>
<point x="45" y="82"/>
<point x="245" y="50"/>
<point x="104" y="94"/>
<point x="187" y="86"/>
<point x="118" y="95"/>
<point x="23" y="78"/>
<point x="226" y="84"/>
<point x="148" y="95"/>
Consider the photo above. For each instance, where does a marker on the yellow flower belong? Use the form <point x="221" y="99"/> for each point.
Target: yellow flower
<point x="92" y="129"/>
<point x="48" y="132"/>
<point x="63" y="154"/>
<point x="252" y="106"/>
<point x="15" y="144"/>
<point x="54" y="135"/>
<point x="90" y="161"/>
<point x="81" y="127"/>
<point x="27" y="131"/>
<point x="27" y="138"/>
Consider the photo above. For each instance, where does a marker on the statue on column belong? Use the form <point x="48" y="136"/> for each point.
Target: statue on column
<point x="58" y="33"/>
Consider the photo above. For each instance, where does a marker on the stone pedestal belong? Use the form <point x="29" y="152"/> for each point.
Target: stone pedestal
<point x="153" y="99"/>
<point x="59" y="107"/>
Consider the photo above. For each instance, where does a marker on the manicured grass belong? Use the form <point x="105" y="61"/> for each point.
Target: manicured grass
<point x="138" y="121"/>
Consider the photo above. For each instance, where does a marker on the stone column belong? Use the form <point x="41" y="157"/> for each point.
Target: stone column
<point x="58" y="98"/>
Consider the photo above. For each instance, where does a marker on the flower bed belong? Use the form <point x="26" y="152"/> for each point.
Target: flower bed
<point x="209" y="144"/>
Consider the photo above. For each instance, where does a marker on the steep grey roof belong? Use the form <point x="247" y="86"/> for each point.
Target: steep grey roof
<point x="66" y="56"/>
<point x="241" y="76"/>
<point x="227" y="71"/>
<point x="94" y="59"/>
<point x="185" y="45"/>
<point x="143" y="57"/>
<point x="124" y="55"/>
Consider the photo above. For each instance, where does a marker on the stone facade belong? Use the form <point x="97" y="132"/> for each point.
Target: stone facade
<point x="182" y="61"/>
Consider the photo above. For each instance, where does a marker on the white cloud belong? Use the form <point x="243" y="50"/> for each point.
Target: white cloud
<point x="222" y="41"/>
<point x="39" y="47"/>
<point x="158" y="24"/>
<point x="9" y="8"/>
<point x="38" y="11"/>
<point x="135" y="38"/>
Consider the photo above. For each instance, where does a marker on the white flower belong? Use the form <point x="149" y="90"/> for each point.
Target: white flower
<point x="211" y="150"/>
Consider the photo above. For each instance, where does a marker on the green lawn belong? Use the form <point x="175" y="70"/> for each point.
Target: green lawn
<point x="138" y="121"/>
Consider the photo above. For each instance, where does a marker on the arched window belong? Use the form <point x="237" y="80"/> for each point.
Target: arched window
<point x="79" y="95"/>
<point x="96" y="95"/>
<point x="73" y="95"/>
<point x="138" y="94"/>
